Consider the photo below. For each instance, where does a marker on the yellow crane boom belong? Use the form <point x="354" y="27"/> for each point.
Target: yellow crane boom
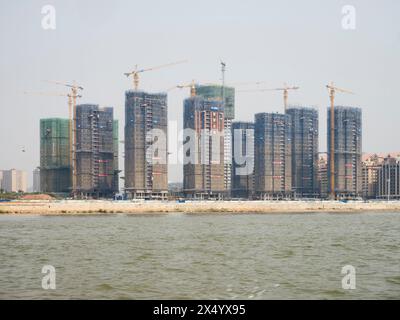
<point x="191" y="85"/>
<point x="285" y="90"/>
<point x="135" y="73"/>
<point x="234" y="84"/>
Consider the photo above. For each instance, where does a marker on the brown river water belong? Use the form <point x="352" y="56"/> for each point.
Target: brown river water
<point x="182" y="256"/>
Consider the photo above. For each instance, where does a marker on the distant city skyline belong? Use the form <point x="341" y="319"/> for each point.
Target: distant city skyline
<point x="95" y="42"/>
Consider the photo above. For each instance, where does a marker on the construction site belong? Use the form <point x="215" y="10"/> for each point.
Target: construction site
<point x="242" y="160"/>
<point x="146" y="173"/>
<point x="347" y="152"/>
<point x="55" y="164"/>
<point x="204" y="174"/>
<point x="79" y="155"/>
<point x="273" y="156"/>
<point x="227" y="95"/>
<point x="116" y="156"/>
<point x="94" y="151"/>
<point x="304" y="124"/>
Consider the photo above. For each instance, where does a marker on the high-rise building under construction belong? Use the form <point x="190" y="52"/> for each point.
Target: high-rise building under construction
<point x="146" y="153"/>
<point x="116" y="156"/>
<point x="216" y="92"/>
<point x="348" y="151"/>
<point x="273" y="156"/>
<point x="55" y="157"/>
<point x="242" y="159"/>
<point x="219" y="92"/>
<point x="203" y="148"/>
<point x="94" y="151"/>
<point x="304" y="128"/>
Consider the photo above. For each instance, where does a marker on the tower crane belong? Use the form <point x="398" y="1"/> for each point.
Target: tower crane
<point x="72" y="96"/>
<point x="285" y="90"/>
<point x="332" y="91"/>
<point x="135" y="73"/>
<point x="235" y="84"/>
<point x="191" y="85"/>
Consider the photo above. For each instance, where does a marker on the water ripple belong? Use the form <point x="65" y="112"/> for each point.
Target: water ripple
<point x="290" y="256"/>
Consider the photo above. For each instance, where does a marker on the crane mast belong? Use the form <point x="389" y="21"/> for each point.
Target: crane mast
<point x="223" y="69"/>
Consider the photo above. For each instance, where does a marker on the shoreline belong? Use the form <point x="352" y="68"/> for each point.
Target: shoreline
<point x="101" y="207"/>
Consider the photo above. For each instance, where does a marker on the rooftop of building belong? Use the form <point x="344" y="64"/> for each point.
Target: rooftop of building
<point x="380" y="156"/>
<point x="140" y="93"/>
<point x="300" y="107"/>
<point x="264" y="114"/>
<point x="346" y="108"/>
<point x="94" y="106"/>
<point x="242" y="123"/>
<point x="54" y="119"/>
<point x="214" y="86"/>
<point x="205" y="103"/>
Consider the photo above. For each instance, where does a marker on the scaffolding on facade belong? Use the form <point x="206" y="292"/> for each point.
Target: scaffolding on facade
<point x="94" y="151"/>
<point x="226" y="94"/>
<point x="204" y="177"/>
<point x="273" y="156"/>
<point x="304" y="123"/>
<point x="116" y="156"/>
<point x="348" y="151"/>
<point x="242" y="160"/>
<point x="146" y="166"/>
<point x="55" y="164"/>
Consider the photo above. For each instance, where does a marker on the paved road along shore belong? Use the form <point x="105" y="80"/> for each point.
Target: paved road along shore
<point x="141" y="207"/>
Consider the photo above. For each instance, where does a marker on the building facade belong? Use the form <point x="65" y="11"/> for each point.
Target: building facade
<point x="146" y="149"/>
<point x="203" y="168"/>
<point x="36" y="180"/>
<point x="370" y="168"/>
<point x="94" y="151"/>
<point x="116" y="155"/>
<point x="55" y="157"/>
<point x="304" y="124"/>
<point x="242" y="160"/>
<point x="227" y="95"/>
<point x="323" y="177"/>
<point x="389" y="179"/>
<point x="14" y="181"/>
<point x="348" y="151"/>
<point x="273" y="156"/>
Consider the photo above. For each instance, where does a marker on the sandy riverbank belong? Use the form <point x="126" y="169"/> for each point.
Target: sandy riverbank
<point x="141" y="207"/>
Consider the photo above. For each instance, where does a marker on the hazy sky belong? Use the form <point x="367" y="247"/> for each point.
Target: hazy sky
<point x="298" y="42"/>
